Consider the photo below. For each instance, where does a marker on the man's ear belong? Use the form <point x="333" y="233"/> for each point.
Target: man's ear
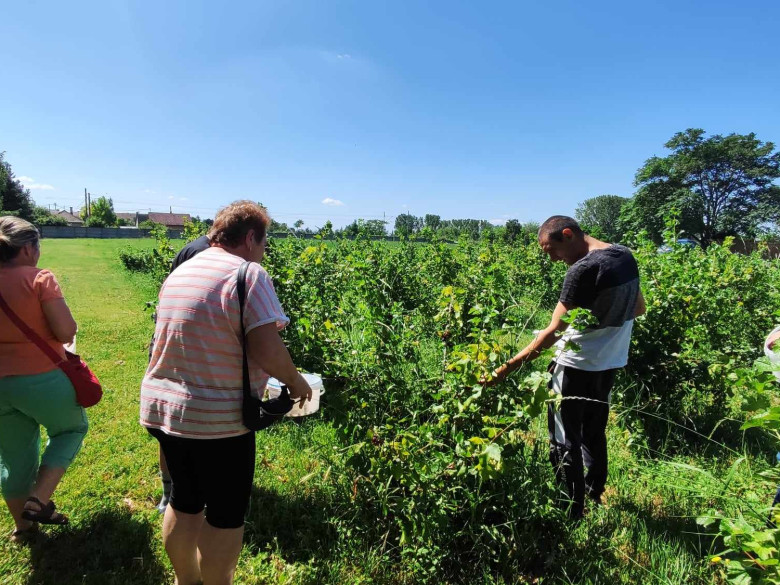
<point x="567" y="233"/>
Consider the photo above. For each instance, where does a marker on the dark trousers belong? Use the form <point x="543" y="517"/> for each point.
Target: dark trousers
<point x="577" y="429"/>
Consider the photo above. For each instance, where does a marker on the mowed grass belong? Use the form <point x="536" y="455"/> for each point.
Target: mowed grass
<point x="296" y="532"/>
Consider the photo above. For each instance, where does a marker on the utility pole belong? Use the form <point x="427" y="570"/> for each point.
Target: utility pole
<point x="86" y="203"/>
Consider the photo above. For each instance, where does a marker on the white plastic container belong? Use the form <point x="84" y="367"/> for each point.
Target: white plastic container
<point x="274" y="387"/>
<point x="773" y="353"/>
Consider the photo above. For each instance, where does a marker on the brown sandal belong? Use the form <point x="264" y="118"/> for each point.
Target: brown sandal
<point x="46" y="515"/>
<point x="26" y="535"/>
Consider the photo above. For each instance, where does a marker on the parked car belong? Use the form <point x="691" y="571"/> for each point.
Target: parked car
<point x="686" y="242"/>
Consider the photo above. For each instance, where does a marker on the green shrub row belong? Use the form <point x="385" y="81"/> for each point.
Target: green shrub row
<point x="445" y="472"/>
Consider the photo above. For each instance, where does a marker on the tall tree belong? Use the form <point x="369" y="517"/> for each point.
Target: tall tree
<point x="407" y="224"/>
<point x="512" y="230"/>
<point x="721" y="185"/>
<point x="326" y="230"/>
<point x="367" y="227"/>
<point x="14" y="198"/>
<point x="101" y="213"/>
<point x="432" y="221"/>
<point x="600" y="216"/>
<point x="277" y="228"/>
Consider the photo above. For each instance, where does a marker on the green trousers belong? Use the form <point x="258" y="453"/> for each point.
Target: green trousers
<point x="26" y="404"/>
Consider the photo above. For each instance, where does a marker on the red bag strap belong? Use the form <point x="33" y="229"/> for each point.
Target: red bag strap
<point x="29" y="333"/>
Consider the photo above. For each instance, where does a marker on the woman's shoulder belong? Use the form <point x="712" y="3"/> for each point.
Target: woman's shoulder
<point x="25" y="273"/>
<point x="30" y="282"/>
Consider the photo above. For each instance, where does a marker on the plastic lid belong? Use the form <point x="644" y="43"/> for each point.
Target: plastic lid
<point x="312" y="380"/>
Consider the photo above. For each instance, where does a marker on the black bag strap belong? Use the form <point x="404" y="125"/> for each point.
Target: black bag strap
<point x="241" y="290"/>
<point x="256" y="414"/>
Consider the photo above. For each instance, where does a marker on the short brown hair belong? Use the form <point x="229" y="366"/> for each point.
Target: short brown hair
<point x="554" y="226"/>
<point x="233" y="222"/>
<point x="15" y="234"/>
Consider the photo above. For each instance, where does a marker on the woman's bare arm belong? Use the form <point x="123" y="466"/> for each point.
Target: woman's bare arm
<point x="60" y="320"/>
<point x="266" y="348"/>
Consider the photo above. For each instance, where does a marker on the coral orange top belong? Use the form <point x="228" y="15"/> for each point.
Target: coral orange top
<point x="25" y="288"/>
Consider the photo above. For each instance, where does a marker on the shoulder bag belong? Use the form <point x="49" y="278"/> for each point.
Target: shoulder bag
<point x="85" y="383"/>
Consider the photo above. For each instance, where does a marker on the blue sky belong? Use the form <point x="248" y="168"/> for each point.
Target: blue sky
<point x="482" y="110"/>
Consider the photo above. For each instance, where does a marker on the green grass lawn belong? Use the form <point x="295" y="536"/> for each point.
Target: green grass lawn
<point x="646" y="532"/>
<point x="112" y="487"/>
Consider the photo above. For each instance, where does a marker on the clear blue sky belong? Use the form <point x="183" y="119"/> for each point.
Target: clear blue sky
<point x="483" y="110"/>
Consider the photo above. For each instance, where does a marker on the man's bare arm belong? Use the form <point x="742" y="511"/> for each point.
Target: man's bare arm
<point x="546" y="338"/>
<point x="640" y="308"/>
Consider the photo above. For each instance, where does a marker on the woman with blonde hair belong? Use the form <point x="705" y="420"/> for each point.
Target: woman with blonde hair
<point x="34" y="392"/>
<point x="192" y="393"/>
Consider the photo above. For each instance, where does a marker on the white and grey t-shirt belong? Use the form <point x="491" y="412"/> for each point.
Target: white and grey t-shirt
<point x="606" y="282"/>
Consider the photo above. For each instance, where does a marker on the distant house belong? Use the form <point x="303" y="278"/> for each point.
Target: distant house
<point x="173" y="221"/>
<point x="130" y="219"/>
<point x="73" y="220"/>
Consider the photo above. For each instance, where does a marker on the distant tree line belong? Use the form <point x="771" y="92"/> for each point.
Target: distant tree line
<point x="716" y="186"/>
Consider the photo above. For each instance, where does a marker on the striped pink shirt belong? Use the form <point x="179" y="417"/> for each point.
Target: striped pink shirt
<point x="193" y="385"/>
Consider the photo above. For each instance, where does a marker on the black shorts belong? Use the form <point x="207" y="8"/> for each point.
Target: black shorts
<point x="215" y="474"/>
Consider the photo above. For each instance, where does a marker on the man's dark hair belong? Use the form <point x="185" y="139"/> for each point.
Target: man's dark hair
<point x="553" y="227"/>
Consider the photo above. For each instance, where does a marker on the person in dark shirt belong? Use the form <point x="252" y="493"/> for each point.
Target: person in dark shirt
<point x="604" y="279"/>
<point x="188" y="252"/>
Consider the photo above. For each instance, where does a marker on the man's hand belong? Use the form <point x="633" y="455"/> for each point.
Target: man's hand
<point x="300" y="391"/>
<point x="499" y="375"/>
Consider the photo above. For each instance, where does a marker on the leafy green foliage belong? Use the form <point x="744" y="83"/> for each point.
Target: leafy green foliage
<point x="14" y="197"/>
<point x="155" y="262"/>
<point x="364" y="227"/>
<point x="722" y="185"/>
<point x="101" y="213"/>
<point x="752" y="536"/>
<point x="42" y="216"/>
<point x="407" y="224"/>
<point x="444" y="471"/>
<point x="194" y="228"/>
<point x="707" y="314"/>
<point x="600" y="216"/>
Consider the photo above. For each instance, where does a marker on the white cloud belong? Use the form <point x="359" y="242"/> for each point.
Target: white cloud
<point x="332" y="202"/>
<point x="344" y="56"/>
<point x="182" y="199"/>
<point x="170" y="197"/>
<point x="30" y="183"/>
<point x="497" y="221"/>
<point x="149" y="191"/>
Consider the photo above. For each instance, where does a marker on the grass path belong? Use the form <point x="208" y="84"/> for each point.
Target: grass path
<point x="111" y="489"/>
